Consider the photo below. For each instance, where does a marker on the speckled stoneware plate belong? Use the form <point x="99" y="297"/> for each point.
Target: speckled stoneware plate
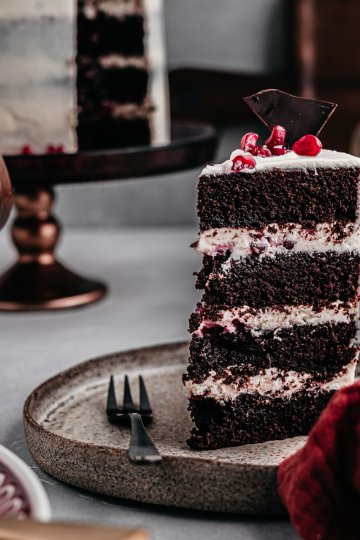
<point x="69" y="437"/>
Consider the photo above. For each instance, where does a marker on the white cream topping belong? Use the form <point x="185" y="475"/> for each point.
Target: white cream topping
<point x="32" y="9"/>
<point x="38" y="85"/>
<point x="270" y="382"/>
<point x="269" y="319"/>
<point x="276" y="239"/>
<point x="325" y="159"/>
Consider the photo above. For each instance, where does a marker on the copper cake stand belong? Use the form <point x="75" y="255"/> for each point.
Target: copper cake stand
<point x="37" y="280"/>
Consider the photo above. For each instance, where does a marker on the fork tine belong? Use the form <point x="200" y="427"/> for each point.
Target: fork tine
<point x="128" y="404"/>
<point x="145" y="407"/>
<point x="111" y="398"/>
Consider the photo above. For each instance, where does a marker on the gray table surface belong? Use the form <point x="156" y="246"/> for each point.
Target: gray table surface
<point x="150" y="276"/>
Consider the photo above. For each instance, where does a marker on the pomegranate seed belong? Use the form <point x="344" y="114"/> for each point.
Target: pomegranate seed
<point x="308" y="145"/>
<point x="261" y="151"/>
<point x="243" y="162"/>
<point x="277" y="137"/>
<point x="278" y="151"/>
<point x="52" y="149"/>
<point x="27" y="150"/>
<point x="248" y="141"/>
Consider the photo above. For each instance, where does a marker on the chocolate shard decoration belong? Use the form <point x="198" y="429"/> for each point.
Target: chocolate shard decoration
<point x="299" y="116"/>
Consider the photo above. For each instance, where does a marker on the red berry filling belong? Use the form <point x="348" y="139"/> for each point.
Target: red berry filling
<point x="308" y="145"/>
<point x="245" y="161"/>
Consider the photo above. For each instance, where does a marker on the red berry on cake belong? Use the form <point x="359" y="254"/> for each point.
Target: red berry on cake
<point x="244" y="161"/>
<point x="27" y="150"/>
<point x="276" y="141"/>
<point x="248" y="142"/>
<point x="262" y="151"/>
<point x="52" y="149"/>
<point x="308" y="145"/>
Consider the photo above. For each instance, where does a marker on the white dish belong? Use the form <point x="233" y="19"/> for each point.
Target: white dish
<point x="21" y="492"/>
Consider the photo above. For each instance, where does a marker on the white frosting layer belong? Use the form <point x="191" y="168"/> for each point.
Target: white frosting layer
<point x="270" y="382"/>
<point x="325" y="159"/>
<point x="32" y="9"/>
<point x="270" y="319"/>
<point x="118" y="61"/>
<point x="38" y="84"/>
<point x="276" y="239"/>
<point x="158" y="82"/>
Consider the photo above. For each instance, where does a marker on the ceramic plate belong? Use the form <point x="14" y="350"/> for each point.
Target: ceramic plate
<point x="69" y="437"/>
<point x="21" y="493"/>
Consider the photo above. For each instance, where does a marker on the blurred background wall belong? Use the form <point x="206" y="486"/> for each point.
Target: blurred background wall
<point x="246" y="36"/>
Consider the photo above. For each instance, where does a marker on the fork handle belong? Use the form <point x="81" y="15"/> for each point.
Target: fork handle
<point x="142" y="450"/>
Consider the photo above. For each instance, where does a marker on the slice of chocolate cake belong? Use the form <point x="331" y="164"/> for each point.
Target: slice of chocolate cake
<point x="273" y="337"/>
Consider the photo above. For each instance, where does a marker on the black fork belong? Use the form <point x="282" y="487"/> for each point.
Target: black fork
<point x="142" y="450"/>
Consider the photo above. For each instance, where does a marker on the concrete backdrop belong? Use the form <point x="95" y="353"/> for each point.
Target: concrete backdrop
<point x="237" y="35"/>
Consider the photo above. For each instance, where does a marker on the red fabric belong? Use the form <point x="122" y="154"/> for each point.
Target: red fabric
<point x="320" y="484"/>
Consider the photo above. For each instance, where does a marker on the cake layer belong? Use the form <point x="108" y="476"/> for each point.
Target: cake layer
<point x="302" y="278"/>
<point x="275" y="239"/>
<point x="253" y="201"/>
<point x="103" y="33"/>
<point x="103" y="80"/>
<point x="253" y="418"/>
<point x="321" y="350"/>
<point x="100" y="130"/>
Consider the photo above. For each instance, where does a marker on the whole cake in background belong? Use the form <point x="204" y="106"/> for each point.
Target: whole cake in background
<point x="81" y="74"/>
<point x="273" y="337"/>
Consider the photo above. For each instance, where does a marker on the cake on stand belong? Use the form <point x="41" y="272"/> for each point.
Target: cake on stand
<point x="37" y="280"/>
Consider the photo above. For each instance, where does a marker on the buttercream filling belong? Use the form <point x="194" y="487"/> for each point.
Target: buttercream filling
<point x="279" y="239"/>
<point x="272" y="319"/>
<point x="270" y="382"/>
<point x="325" y="159"/>
<point x="112" y="8"/>
<point x="119" y="61"/>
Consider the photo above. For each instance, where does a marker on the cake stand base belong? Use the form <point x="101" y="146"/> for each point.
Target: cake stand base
<point x="37" y="280"/>
<point x="31" y="286"/>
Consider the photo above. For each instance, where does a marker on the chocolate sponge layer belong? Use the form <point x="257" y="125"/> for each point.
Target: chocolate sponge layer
<point x="278" y="196"/>
<point x="253" y="418"/>
<point x="299" y="278"/>
<point x="322" y="350"/>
